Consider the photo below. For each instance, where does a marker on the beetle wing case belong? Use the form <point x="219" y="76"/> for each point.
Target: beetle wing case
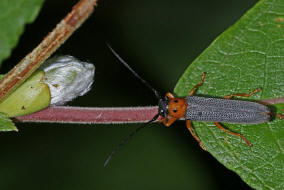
<point x="224" y="110"/>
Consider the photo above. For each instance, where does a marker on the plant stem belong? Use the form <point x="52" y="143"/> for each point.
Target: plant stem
<point x="105" y="115"/>
<point x="50" y="43"/>
<point x="68" y="114"/>
<point x="273" y="101"/>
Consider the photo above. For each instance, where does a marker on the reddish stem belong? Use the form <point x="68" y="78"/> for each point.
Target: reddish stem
<point x="273" y="101"/>
<point x="68" y="114"/>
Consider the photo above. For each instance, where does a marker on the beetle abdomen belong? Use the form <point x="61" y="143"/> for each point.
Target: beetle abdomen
<point x="224" y="110"/>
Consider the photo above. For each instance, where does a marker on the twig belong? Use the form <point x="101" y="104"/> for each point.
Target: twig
<point x="50" y="43"/>
<point x="66" y="114"/>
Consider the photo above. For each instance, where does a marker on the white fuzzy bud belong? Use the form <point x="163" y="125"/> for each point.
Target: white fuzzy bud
<point x="67" y="78"/>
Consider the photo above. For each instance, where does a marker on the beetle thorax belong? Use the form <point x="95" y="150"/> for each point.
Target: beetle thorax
<point x="177" y="107"/>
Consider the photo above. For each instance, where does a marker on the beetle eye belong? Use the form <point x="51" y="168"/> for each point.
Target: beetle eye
<point x="175" y="101"/>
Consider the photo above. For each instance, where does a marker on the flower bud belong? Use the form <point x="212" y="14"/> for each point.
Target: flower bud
<point x="59" y="80"/>
<point x="67" y="78"/>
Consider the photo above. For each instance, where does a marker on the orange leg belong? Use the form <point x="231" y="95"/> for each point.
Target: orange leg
<point x="242" y="94"/>
<point x="169" y="96"/>
<point x="189" y="127"/>
<point x="198" y="85"/>
<point x="167" y="121"/>
<point x="280" y="116"/>
<point x="232" y="133"/>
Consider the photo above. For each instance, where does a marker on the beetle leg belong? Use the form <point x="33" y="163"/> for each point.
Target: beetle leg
<point x="161" y="119"/>
<point x="168" y="121"/>
<point x="189" y="127"/>
<point x="280" y="116"/>
<point x="242" y="94"/>
<point x="169" y="96"/>
<point x="232" y="133"/>
<point x="198" y="85"/>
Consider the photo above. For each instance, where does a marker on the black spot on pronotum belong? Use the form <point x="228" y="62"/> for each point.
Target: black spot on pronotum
<point x="175" y="101"/>
<point x="174" y="110"/>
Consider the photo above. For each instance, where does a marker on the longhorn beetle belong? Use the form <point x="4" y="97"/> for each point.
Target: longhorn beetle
<point x="195" y="108"/>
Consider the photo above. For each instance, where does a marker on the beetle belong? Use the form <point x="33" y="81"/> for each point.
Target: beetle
<point x="197" y="108"/>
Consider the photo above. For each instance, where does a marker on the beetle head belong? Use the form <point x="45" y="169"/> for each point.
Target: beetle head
<point x="163" y="107"/>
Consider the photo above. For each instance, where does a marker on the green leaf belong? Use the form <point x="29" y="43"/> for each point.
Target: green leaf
<point x="14" y="14"/>
<point x="6" y="124"/>
<point x="247" y="56"/>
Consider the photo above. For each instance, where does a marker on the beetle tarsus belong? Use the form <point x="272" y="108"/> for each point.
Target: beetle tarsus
<point x="219" y="126"/>
<point x="243" y="94"/>
<point x="189" y="127"/>
<point x="202" y="146"/>
<point x="198" y="85"/>
<point x="280" y="115"/>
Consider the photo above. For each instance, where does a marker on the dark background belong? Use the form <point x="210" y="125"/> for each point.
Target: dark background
<point x="159" y="39"/>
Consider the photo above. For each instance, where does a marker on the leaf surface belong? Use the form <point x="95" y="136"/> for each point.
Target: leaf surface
<point x="249" y="55"/>
<point x="14" y="14"/>
<point x="6" y="124"/>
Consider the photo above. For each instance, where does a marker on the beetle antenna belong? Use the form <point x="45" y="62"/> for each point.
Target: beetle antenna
<point x="124" y="141"/>
<point x="157" y="94"/>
